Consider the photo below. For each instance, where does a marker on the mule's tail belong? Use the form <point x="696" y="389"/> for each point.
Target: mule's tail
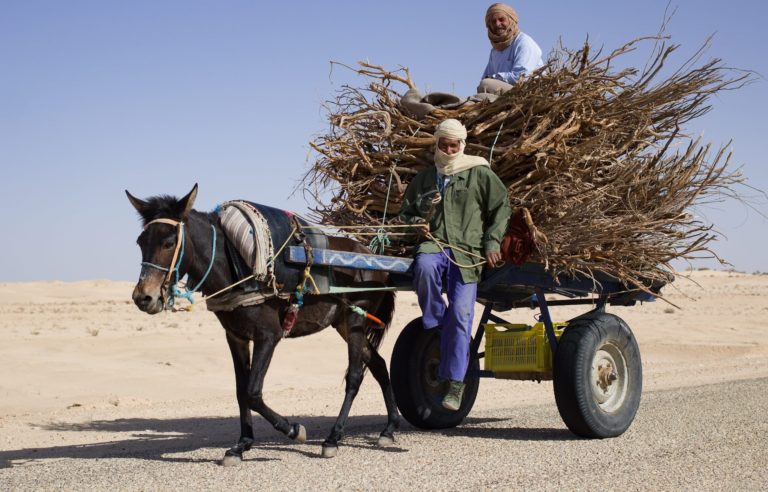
<point x="385" y="312"/>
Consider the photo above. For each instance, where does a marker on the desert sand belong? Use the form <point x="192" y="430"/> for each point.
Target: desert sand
<point x="95" y="394"/>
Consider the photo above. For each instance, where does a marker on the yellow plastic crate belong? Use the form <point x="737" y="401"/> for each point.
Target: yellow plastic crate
<point x="519" y="351"/>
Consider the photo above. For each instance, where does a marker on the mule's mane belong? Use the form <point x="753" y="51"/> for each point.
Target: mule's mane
<point x="167" y="207"/>
<point x="161" y="206"/>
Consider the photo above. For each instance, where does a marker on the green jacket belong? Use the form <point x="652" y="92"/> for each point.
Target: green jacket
<point x="472" y="214"/>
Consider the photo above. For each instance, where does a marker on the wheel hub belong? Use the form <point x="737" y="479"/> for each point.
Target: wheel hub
<point x="605" y="376"/>
<point x="608" y="377"/>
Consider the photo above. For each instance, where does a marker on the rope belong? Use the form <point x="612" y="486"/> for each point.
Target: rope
<point x="177" y="262"/>
<point x="443" y="246"/>
<point x="332" y="226"/>
<point x="269" y="261"/>
<point x="302" y="288"/>
<point x="381" y="241"/>
<point x="490" y="157"/>
<point x="365" y="314"/>
<point x="187" y="294"/>
<point x="146" y="263"/>
<point x="378" y="233"/>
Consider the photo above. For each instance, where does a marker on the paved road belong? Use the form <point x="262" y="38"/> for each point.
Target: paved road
<point x="697" y="438"/>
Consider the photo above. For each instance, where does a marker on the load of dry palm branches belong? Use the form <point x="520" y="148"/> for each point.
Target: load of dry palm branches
<point x="598" y="156"/>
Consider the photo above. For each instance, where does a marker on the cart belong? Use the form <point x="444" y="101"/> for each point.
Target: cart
<point x="593" y="359"/>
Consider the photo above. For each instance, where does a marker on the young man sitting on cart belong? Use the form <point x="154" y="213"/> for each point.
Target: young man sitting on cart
<point x="460" y="209"/>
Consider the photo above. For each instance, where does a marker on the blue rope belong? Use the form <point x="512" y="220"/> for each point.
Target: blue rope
<point x="381" y="240"/>
<point x="213" y="257"/>
<point x="146" y="263"/>
<point x="188" y="293"/>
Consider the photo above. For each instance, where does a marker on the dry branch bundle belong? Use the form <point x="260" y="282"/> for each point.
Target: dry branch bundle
<point x="597" y="155"/>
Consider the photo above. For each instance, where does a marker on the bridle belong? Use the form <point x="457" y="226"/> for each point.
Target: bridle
<point x="169" y="285"/>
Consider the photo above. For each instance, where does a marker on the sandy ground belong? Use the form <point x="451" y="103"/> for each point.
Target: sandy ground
<point x="95" y="394"/>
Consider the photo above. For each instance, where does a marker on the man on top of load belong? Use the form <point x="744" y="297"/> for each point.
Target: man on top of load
<point x="513" y="53"/>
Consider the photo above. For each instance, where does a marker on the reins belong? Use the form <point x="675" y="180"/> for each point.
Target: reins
<point x="171" y="280"/>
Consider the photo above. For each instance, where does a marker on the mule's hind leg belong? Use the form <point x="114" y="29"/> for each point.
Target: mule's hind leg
<point x="379" y="370"/>
<point x="355" y="342"/>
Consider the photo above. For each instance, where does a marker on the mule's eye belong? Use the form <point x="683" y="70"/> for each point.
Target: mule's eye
<point x="169" y="243"/>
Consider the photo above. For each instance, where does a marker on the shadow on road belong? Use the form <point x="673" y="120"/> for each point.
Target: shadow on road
<point x="156" y="439"/>
<point x="478" y="428"/>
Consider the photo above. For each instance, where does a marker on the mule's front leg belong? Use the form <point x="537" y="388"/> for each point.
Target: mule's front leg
<point x="263" y="348"/>
<point x="241" y="355"/>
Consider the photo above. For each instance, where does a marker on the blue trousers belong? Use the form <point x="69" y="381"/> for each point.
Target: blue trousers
<point x="456" y="319"/>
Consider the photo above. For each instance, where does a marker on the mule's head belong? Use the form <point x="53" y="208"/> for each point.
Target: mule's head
<point x="160" y="243"/>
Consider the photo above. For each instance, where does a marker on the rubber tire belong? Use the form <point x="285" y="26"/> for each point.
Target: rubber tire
<point x="576" y="349"/>
<point x="412" y="371"/>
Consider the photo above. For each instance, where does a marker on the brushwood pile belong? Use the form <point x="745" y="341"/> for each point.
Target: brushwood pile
<point x="598" y="156"/>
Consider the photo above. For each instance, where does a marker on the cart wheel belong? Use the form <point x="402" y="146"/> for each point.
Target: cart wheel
<point x="598" y="377"/>
<point x="418" y="393"/>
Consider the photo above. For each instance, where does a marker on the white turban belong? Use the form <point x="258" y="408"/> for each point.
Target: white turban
<point x="450" y="164"/>
<point x="451" y="129"/>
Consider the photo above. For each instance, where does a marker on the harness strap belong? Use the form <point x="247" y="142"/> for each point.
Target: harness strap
<point x="289" y="320"/>
<point x="178" y="255"/>
<point x="179" y="247"/>
<point x="310" y="255"/>
<point x="162" y="221"/>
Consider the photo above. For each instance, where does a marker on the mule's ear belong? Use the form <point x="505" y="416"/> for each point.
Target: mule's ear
<point x="140" y="205"/>
<point x="187" y="202"/>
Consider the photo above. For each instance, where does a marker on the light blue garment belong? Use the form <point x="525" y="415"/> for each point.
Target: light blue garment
<point x="442" y="182"/>
<point x="523" y="56"/>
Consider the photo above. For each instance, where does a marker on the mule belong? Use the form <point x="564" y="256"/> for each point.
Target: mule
<point x="262" y="325"/>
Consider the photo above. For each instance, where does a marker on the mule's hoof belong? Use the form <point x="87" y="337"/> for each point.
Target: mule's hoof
<point x="385" y="441"/>
<point x="231" y="460"/>
<point x="301" y="435"/>
<point x="330" y="451"/>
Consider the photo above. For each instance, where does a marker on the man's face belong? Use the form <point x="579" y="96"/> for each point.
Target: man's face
<point x="449" y="145"/>
<point x="499" y="23"/>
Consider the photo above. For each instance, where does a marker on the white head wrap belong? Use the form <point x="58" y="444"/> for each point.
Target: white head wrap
<point x="448" y="164"/>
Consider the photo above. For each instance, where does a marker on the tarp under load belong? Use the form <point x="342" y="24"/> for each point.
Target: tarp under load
<point x="597" y="155"/>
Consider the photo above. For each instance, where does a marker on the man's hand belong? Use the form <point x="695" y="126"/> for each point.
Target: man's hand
<point x="421" y="227"/>
<point x="493" y="259"/>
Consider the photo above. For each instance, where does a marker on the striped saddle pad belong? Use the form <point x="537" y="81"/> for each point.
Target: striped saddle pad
<point x="249" y="232"/>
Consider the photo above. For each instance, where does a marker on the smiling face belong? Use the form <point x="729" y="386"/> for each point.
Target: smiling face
<point x="450" y="146"/>
<point x="499" y="23"/>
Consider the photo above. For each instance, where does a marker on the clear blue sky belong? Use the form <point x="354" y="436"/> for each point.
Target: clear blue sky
<point x="153" y="96"/>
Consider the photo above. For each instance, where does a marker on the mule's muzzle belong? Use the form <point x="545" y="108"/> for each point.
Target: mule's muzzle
<point x="149" y="301"/>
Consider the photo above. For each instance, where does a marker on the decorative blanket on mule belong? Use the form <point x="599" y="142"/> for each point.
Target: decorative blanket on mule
<point x="255" y="235"/>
